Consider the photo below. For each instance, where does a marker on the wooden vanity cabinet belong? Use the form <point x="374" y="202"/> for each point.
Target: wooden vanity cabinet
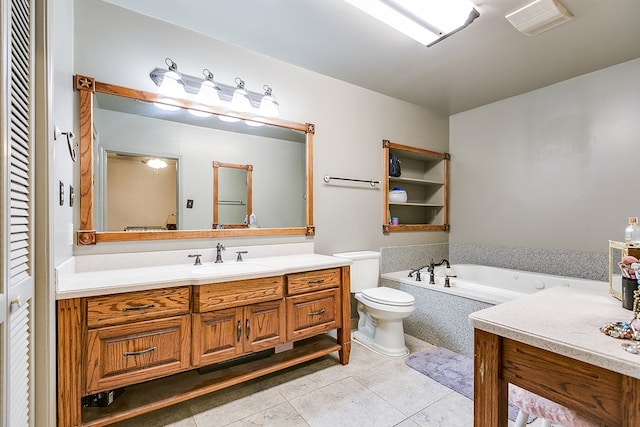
<point x="224" y="327"/>
<point x="124" y="348"/>
<point x="313" y="303"/>
<point x="152" y="341"/>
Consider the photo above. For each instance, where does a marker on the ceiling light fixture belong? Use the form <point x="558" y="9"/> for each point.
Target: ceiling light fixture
<point x="156" y="163"/>
<point x="426" y="21"/>
<point x="206" y="91"/>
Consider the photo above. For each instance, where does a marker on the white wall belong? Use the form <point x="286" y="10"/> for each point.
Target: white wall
<point x="62" y="115"/>
<point x="556" y="168"/>
<point x="117" y="46"/>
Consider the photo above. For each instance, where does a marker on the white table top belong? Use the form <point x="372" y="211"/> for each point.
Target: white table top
<point x="92" y="283"/>
<point x="565" y="321"/>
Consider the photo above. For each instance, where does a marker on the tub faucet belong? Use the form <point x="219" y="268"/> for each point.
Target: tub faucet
<point x="219" y="247"/>
<point x="432" y="270"/>
<point x="418" y="271"/>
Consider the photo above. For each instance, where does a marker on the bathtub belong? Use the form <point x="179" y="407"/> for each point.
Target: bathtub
<point x="441" y="315"/>
<point x="493" y="285"/>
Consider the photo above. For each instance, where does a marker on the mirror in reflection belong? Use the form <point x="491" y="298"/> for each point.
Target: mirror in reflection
<point x="232" y="195"/>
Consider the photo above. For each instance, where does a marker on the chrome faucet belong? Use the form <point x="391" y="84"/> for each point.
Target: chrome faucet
<point x="219" y="248"/>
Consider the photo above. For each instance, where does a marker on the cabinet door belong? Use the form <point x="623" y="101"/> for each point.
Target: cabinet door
<point x="313" y="313"/>
<point x="128" y="354"/>
<point x="217" y="335"/>
<point x="264" y="325"/>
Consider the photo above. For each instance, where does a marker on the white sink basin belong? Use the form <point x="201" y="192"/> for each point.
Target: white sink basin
<point x="228" y="267"/>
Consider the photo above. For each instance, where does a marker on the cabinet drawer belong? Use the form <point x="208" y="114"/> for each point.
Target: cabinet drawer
<point x="234" y="294"/>
<point x="128" y="354"/>
<point x="313" y="281"/>
<point x="312" y="313"/>
<point x="136" y="306"/>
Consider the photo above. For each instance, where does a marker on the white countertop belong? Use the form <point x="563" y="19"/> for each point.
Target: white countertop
<point x="90" y="283"/>
<point x="565" y="321"/>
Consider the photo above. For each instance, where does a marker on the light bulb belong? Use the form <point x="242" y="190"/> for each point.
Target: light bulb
<point x="208" y="93"/>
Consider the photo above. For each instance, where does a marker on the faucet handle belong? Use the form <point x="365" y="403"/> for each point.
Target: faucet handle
<point x="220" y="247"/>
<point x="239" y="258"/>
<point x="197" y="257"/>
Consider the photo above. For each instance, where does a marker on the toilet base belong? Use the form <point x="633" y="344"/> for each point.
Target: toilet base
<point x="372" y="345"/>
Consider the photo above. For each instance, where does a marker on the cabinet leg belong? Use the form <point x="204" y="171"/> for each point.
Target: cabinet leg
<point x="70" y="319"/>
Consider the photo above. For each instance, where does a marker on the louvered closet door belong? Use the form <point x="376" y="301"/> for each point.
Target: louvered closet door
<point x="17" y="212"/>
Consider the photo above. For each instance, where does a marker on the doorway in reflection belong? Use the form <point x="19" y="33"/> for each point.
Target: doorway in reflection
<point x="141" y="192"/>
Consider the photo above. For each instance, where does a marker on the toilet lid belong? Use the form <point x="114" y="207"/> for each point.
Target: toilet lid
<point x="390" y="296"/>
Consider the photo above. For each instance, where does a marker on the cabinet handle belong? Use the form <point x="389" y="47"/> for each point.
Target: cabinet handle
<point x="239" y="330"/>
<point x="142" y="307"/>
<point x="313" y="282"/>
<point x="138" y="353"/>
<point x="248" y="328"/>
<point x="316" y="313"/>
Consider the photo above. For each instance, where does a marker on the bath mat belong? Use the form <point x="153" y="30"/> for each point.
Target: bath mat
<point x="452" y="370"/>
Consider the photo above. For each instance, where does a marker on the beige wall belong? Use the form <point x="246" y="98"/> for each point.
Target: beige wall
<point x="118" y="46"/>
<point x="556" y="168"/>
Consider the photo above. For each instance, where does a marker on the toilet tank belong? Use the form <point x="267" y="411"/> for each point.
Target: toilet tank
<point x="365" y="269"/>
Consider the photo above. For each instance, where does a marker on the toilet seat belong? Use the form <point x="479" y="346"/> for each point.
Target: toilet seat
<point x="388" y="296"/>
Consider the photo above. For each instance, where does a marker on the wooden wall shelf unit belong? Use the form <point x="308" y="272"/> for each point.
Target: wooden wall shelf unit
<point x="425" y="177"/>
<point x="173" y="344"/>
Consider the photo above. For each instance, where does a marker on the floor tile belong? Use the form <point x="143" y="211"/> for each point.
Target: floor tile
<point x="236" y="406"/>
<point x="406" y="389"/>
<point x="346" y="403"/>
<point x="282" y="415"/>
<point x="454" y="410"/>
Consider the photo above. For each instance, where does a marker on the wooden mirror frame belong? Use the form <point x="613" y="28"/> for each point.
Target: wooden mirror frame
<point x="216" y="202"/>
<point x="86" y="235"/>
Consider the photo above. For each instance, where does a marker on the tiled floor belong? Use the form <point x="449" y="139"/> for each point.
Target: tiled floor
<point x="371" y="391"/>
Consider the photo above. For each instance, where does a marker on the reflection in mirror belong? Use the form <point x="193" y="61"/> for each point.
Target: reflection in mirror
<point x="140" y="192"/>
<point x="124" y="120"/>
<point x="232" y="201"/>
<point x="125" y="125"/>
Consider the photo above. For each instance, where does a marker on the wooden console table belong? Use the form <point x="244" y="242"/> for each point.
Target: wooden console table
<point x="550" y="344"/>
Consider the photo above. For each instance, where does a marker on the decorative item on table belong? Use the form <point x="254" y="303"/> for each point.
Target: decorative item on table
<point x="629" y="269"/>
<point x="632" y="232"/>
<point x="398" y="195"/>
<point x="628" y="330"/>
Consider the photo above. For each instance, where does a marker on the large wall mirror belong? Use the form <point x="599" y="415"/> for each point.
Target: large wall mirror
<point x="123" y="129"/>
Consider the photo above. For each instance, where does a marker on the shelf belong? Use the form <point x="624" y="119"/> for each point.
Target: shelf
<point x="414" y="181"/>
<point x="426" y="205"/>
<point x="156" y="394"/>
<point x="424" y="176"/>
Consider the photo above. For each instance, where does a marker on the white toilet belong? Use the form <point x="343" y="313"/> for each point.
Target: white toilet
<point x="380" y="309"/>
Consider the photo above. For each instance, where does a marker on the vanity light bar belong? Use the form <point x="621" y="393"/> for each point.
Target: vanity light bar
<point x="191" y="86"/>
